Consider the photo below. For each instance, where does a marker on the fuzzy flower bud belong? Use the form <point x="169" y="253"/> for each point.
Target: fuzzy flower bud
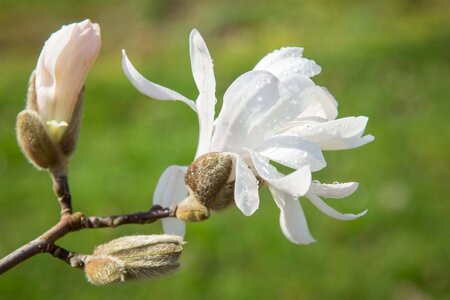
<point x="210" y="184"/>
<point x="134" y="257"/>
<point x="61" y="70"/>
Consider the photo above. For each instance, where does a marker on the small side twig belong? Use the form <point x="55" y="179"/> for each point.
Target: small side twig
<point x="74" y="222"/>
<point x="73" y="259"/>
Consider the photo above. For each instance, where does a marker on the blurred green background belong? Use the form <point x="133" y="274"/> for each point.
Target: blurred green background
<point x="388" y="60"/>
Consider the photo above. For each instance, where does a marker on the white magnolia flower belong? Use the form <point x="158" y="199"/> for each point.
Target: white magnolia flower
<point x="274" y="112"/>
<point x="61" y="70"/>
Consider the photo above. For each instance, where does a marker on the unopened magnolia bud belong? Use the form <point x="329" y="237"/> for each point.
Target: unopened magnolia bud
<point x="48" y="129"/>
<point x="208" y="179"/>
<point x="35" y="143"/>
<point x="134" y="257"/>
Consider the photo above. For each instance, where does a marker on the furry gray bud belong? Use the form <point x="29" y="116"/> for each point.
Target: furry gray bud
<point x="134" y="257"/>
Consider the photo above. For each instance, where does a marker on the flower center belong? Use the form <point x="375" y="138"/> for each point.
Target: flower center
<point x="56" y="129"/>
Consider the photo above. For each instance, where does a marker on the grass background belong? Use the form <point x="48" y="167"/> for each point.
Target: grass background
<point x="388" y="60"/>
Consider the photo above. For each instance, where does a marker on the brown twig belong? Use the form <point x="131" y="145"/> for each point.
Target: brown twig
<point x="61" y="189"/>
<point x="74" y="222"/>
<point x="73" y="259"/>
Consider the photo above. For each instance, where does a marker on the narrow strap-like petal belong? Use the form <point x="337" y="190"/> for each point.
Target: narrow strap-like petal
<point x="329" y="211"/>
<point x="296" y="184"/>
<point x="293" y="151"/>
<point x="292" y="218"/>
<point x="333" y="190"/>
<point x="202" y="70"/>
<point x="340" y="134"/>
<point x="246" y="194"/>
<point x="149" y="88"/>
<point x="170" y="191"/>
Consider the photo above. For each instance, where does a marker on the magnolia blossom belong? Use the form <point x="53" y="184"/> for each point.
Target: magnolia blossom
<point x="61" y="70"/>
<point x="274" y="112"/>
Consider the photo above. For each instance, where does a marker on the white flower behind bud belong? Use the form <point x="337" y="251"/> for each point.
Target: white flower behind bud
<point x="61" y="70"/>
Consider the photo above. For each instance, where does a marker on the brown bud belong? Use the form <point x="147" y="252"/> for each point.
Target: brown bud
<point x="134" y="257"/>
<point x="207" y="178"/>
<point x="35" y="142"/>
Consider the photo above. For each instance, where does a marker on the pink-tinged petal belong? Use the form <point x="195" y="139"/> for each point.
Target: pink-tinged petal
<point x="202" y="70"/>
<point x="149" y="88"/>
<point x="246" y="194"/>
<point x="170" y="191"/>
<point x="292" y="218"/>
<point x="248" y="98"/>
<point x="340" y="134"/>
<point x="292" y="151"/>
<point x="287" y="61"/>
<point x="328" y="210"/>
<point x="333" y="190"/>
<point x="296" y="183"/>
<point x="62" y="67"/>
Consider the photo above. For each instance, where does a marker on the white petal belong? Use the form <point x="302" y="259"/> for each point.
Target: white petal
<point x="246" y="188"/>
<point x="149" y="88"/>
<point x="292" y="218"/>
<point x="345" y="133"/>
<point x="170" y="188"/>
<point x="296" y="98"/>
<point x="201" y="63"/>
<point x="328" y="210"/>
<point x="293" y="151"/>
<point x="170" y="191"/>
<point x="248" y="98"/>
<point x="206" y="123"/>
<point x="321" y="104"/>
<point x="334" y="190"/>
<point x="202" y="70"/>
<point x="296" y="184"/>
<point x="286" y="61"/>
<point x="173" y="226"/>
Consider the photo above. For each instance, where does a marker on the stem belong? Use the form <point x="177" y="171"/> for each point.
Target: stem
<point x="73" y="259"/>
<point x="74" y="222"/>
<point x="61" y="189"/>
